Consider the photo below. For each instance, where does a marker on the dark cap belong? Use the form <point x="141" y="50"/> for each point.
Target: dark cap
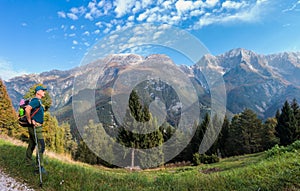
<point x="40" y="88"/>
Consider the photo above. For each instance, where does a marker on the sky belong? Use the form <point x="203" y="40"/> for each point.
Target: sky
<point x="43" y="35"/>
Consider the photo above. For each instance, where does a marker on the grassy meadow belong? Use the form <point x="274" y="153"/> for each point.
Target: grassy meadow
<point x="258" y="171"/>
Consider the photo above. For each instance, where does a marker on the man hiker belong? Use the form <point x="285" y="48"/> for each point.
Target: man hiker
<point x="36" y="122"/>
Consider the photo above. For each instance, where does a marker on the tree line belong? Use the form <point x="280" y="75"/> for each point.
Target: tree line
<point x="244" y="133"/>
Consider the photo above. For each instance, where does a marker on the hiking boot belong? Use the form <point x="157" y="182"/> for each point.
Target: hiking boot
<point x="43" y="170"/>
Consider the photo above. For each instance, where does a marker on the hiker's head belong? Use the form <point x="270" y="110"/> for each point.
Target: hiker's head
<point x="40" y="91"/>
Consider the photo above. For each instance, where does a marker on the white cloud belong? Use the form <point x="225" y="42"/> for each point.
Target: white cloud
<point x="72" y="16"/>
<point x="137" y="7"/>
<point x="74" y="10"/>
<point x="72" y="27"/>
<point x="94" y="10"/>
<point x="101" y="3"/>
<point x="89" y="16"/>
<point x="61" y="14"/>
<point x="97" y="31"/>
<point x="196" y="13"/>
<point x="75" y="42"/>
<point x="81" y="10"/>
<point x="233" y="4"/>
<point x="146" y="3"/>
<point x="152" y="18"/>
<point x="167" y="4"/>
<point x="183" y="6"/>
<point x="246" y="13"/>
<point x="51" y="30"/>
<point x="99" y="24"/>
<point x="86" y="33"/>
<point x="24" y="24"/>
<point x="7" y="71"/>
<point x="211" y="3"/>
<point x="123" y="7"/>
<point x="131" y="18"/>
<point x="107" y="8"/>
<point x="143" y="16"/>
<point x="106" y="30"/>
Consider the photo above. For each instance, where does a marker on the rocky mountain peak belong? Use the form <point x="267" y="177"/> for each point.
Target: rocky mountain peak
<point x="239" y="52"/>
<point x="123" y="59"/>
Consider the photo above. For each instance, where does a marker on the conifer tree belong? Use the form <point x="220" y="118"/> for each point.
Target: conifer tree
<point x="223" y="136"/>
<point x="234" y="141"/>
<point x="296" y="110"/>
<point x="286" y="128"/>
<point x="196" y="140"/>
<point x="94" y="144"/>
<point x="133" y="134"/>
<point x="214" y="149"/>
<point x="53" y="133"/>
<point x="8" y="117"/>
<point x="277" y="115"/>
<point x="252" y="127"/>
<point x="269" y="138"/>
<point x="199" y="134"/>
<point x="245" y="134"/>
<point x="70" y="146"/>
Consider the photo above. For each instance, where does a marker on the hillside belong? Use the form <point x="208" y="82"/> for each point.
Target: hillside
<point x="278" y="169"/>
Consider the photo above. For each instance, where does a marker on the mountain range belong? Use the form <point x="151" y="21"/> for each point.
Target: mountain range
<point x="259" y="82"/>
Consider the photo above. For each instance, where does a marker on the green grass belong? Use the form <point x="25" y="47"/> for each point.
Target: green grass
<point x="248" y="172"/>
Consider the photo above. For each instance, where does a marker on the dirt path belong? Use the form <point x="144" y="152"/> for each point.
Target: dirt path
<point x="8" y="183"/>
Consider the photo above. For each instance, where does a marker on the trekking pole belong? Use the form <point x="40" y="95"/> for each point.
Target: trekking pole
<point x="38" y="156"/>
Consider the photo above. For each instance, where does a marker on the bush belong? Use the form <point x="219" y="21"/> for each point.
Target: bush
<point x="196" y="159"/>
<point x="278" y="150"/>
<point x="205" y="159"/>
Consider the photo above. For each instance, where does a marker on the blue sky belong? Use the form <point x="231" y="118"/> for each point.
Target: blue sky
<point x="41" y="35"/>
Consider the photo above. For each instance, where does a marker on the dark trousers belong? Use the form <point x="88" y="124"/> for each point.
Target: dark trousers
<point x="32" y="144"/>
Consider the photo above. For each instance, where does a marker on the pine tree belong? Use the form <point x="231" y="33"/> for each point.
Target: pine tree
<point x="296" y="110"/>
<point x="53" y="133"/>
<point x="270" y="139"/>
<point x="277" y="115"/>
<point x="245" y="134"/>
<point x="133" y="134"/>
<point x="95" y="145"/>
<point x="199" y="134"/>
<point x="252" y="127"/>
<point x="223" y="136"/>
<point x="8" y="117"/>
<point x="287" y="125"/>
<point x="234" y="141"/>
<point x="213" y="136"/>
<point x="70" y="146"/>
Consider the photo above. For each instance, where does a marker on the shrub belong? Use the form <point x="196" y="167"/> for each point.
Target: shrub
<point x="196" y="159"/>
<point x="205" y="159"/>
<point x="278" y="150"/>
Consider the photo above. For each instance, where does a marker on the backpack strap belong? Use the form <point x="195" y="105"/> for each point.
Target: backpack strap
<point x="33" y="114"/>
